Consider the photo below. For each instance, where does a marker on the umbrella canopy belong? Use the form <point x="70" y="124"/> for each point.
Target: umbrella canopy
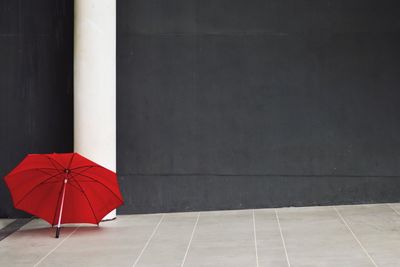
<point x="64" y="188"/>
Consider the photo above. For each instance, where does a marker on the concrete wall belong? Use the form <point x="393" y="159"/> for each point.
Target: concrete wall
<point x="35" y="83"/>
<point x="227" y="104"/>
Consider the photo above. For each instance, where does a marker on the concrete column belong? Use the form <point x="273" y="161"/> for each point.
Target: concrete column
<point x="95" y="82"/>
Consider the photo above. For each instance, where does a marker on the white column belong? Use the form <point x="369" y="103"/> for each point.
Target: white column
<point x="95" y="82"/>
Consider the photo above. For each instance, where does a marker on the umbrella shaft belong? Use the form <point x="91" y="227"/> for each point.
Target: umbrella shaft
<point x="62" y="202"/>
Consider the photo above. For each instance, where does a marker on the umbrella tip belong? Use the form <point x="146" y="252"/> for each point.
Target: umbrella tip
<point x="58" y="232"/>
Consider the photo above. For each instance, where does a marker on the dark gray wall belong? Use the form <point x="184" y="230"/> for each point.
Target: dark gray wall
<point x="35" y="83"/>
<point x="241" y="104"/>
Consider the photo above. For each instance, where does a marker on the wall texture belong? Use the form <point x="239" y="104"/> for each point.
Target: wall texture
<point x="35" y="83"/>
<point x="228" y="104"/>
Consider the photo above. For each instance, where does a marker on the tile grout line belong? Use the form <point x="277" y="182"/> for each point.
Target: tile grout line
<point x="390" y="206"/>
<point x="355" y="237"/>
<point x="58" y="245"/>
<point x="191" y="238"/>
<point x="148" y="241"/>
<point x="283" y="240"/>
<point x="255" y="237"/>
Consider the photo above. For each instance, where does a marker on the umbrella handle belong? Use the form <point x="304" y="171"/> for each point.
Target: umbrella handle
<point x="58" y="232"/>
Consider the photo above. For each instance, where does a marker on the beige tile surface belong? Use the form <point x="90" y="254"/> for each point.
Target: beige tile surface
<point x="168" y="246"/>
<point x="270" y="249"/>
<point x="29" y="244"/>
<point x="114" y="243"/>
<point x="377" y="227"/>
<point x="316" y="236"/>
<point x="223" y="238"/>
<point x="348" y="236"/>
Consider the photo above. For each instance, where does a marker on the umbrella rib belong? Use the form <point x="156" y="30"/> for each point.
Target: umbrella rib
<point x="42" y="170"/>
<point x="72" y="177"/>
<point x="70" y="161"/>
<point x="101" y="184"/>
<point x="90" y="205"/>
<point x="52" y="162"/>
<point x="37" y="169"/>
<point x="62" y="166"/>
<point x="74" y="186"/>
<point x="52" y="182"/>
<point x="33" y="188"/>
<point x="85" y="166"/>
<point x="52" y="175"/>
<point x="45" y="181"/>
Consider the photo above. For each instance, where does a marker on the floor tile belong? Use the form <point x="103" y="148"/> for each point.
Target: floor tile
<point x="168" y="246"/>
<point x="317" y="237"/>
<point x="29" y="244"/>
<point x="115" y="243"/>
<point x="377" y="227"/>
<point x="270" y="248"/>
<point x="223" y="238"/>
<point x="353" y="236"/>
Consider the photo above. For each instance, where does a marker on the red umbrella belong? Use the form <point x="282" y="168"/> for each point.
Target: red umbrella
<point x="64" y="188"/>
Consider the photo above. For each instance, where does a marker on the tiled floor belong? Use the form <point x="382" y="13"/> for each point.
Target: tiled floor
<point x="339" y="236"/>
